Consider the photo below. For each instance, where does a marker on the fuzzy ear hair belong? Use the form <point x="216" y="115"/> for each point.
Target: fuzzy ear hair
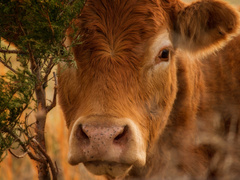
<point x="205" y="26"/>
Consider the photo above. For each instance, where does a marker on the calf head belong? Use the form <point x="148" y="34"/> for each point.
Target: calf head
<point x="118" y="100"/>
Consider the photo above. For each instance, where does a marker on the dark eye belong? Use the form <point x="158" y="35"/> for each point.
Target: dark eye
<point x="163" y="56"/>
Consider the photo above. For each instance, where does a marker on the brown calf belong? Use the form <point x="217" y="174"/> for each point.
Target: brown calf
<point x="154" y="78"/>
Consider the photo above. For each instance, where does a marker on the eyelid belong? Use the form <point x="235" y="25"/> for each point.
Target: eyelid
<point x="170" y="48"/>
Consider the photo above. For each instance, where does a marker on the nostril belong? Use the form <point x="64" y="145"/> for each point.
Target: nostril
<point x="81" y="135"/>
<point x="122" y="136"/>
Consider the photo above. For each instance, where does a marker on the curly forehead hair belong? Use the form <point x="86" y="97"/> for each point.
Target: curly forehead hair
<point x="114" y="29"/>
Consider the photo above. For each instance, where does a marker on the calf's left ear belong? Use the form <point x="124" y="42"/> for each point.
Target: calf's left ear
<point x="205" y="26"/>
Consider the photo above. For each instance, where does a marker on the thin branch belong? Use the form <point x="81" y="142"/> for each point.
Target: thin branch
<point x="23" y="146"/>
<point x="35" y="158"/>
<point x="69" y="3"/>
<point x="46" y="15"/>
<point x="54" y="102"/>
<point x="18" y="156"/>
<point x="32" y="59"/>
<point x="7" y="66"/>
<point x="57" y="169"/>
<point x="9" y="45"/>
<point x="49" y="69"/>
<point x="6" y="51"/>
<point x="52" y="167"/>
<point x="33" y="145"/>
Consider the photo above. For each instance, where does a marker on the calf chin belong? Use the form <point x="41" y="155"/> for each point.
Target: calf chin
<point x="106" y="145"/>
<point x="111" y="169"/>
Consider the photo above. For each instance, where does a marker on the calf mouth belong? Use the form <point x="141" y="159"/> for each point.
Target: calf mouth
<point x="110" y="169"/>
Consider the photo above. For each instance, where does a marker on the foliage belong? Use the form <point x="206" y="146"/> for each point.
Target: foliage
<point x="37" y="28"/>
<point x="16" y="91"/>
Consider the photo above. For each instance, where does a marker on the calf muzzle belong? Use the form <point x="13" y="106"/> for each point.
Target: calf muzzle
<point x="106" y="145"/>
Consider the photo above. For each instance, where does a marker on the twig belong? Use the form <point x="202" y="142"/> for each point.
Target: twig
<point x="32" y="59"/>
<point x="46" y="15"/>
<point x="56" y="167"/>
<point x="49" y="69"/>
<point x="6" y="51"/>
<point x="23" y="146"/>
<point x="69" y="3"/>
<point x="18" y="156"/>
<point x="7" y="66"/>
<point x="53" y="104"/>
<point x="52" y="167"/>
<point x="35" y="158"/>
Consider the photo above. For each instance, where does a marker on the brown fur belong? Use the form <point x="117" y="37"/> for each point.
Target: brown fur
<point x="200" y="31"/>
<point x="174" y="108"/>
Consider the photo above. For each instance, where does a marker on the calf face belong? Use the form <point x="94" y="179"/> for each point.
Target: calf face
<point x="118" y="100"/>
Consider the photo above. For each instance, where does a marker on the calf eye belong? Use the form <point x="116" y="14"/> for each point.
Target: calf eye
<point x="162" y="56"/>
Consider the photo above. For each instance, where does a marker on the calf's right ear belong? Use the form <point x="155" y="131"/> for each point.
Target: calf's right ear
<point x="205" y="26"/>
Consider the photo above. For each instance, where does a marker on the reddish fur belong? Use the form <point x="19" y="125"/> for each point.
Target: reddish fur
<point x="112" y="77"/>
<point x="200" y="31"/>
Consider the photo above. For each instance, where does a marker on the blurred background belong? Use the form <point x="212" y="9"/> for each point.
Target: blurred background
<point x="57" y="145"/>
